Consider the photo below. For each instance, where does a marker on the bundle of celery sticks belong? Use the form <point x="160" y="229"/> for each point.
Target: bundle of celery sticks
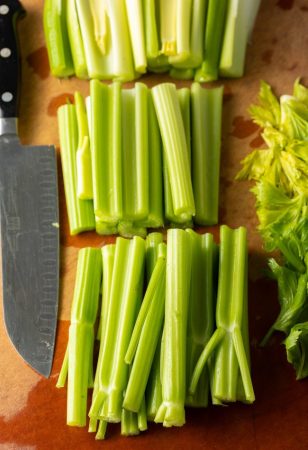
<point x="123" y="39"/>
<point x="140" y="158"/>
<point x="173" y="329"/>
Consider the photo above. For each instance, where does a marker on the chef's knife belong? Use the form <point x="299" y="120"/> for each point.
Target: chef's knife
<point x="29" y="217"/>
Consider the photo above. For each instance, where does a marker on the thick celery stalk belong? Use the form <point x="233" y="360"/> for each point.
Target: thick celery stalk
<point x="183" y="23"/>
<point x="206" y="107"/>
<point x="167" y="20"/>
<point x="178" y="273"/>
<point x="136" y="30"/>
<point x="59" y="53"/>
<point x="80" y="212"/>
<point x="172" y="129"/>
<point x="75" y="40"/>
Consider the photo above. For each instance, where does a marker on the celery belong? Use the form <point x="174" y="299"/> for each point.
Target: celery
<point x="171" y="412"/>
<point x="136" y="29"/>
<point x="167" y="11"/>
<point x="108" y="252"/>
<point x="101" y="431"/>
<point x="129" y="229"/>
<point x="60" y="57"/>
<point x="214" y="29"/>
<point x="129" y="423"/>
<point x="206" y="143"/>
<point x="83" y="154"/>
<point x="105" y="228"/>
<point x="100" y="21"/>
<point x="181" y="74"/>
<point x="183" y="21"/>
<point x="80" y="212"/>
<point x="171" y="125"/>
<point x="75" y="40"/>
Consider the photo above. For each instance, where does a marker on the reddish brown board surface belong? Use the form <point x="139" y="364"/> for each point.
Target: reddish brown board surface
<point x="32" y="410"/>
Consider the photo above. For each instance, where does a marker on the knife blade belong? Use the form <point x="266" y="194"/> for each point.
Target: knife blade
<point x="28" y="218"/>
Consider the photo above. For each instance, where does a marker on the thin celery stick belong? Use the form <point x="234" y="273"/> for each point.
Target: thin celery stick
<point x="142" y="417"/>
<point x="172" y="129"/>
<point x="63" y="372"/>
<point x="99" y="14"/>
<point x="75" y="40"/>
<point x="214" y="29"/>
<point x="83" y="154"/>
<point x="181" y="74"/>
<point x="101" y="432"/>
<point x="168" y="35"/>
<point x="58" y="47"/>
<point x="129" y="423"/>
<point x="135" y="155"/>
<point x="154" y="387"/>
<point x="130" y="229"/>
<point x="136" y="30"/>
<point x="152" y="243"/>
<point x="183" y="22"/>
<point x="206" y="142"/>
<point x="81" y="333"/>
<point x="178" y="273"/>
<point x="80" y="212"/>
<point x="88" y="111"/>
<point x="108" y="252"/>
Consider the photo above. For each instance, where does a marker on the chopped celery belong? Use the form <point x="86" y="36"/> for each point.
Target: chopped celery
<point x="59" y="53"/>
<point x="75" y="40"/>
<point x="105" y="228"/>
<point x="129" y="423"/>
<point x="136" y="29"/>
<point x="129" y="229"/>
<point x="296" y="346"/>
<point x="183" y="21"/>
<point x="206" y="106"/>
<point x="80" y="212"/>
<point x="99" y="14"/>
<point x="101" y="431"/>
<point x="167" y="20"/>
<point x="108" y="252"/>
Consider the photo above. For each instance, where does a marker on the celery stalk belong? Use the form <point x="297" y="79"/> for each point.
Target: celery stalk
<point x="105" y="228"/>
<point x="130" y="229"/>
<point x="183" y="22"/>
<point x="206" y="142"/>
<point x="75" y="40"/>
<point x="80" y="212"/>
<point x="178" y="273"/>
<point x="136" y="30"/>
<point x="63" y="371"/>
<point x="101" y="431"/>
<point x="99" y="14"/>
<point x="214" y="29"/>
<point x="129" y="423"/>
<point x="168" y="35"/>
<point x="172" y="129"/>
<point x="58" y="47"/>
<point x="107" y="264"/>
<point x="142" y="417"/>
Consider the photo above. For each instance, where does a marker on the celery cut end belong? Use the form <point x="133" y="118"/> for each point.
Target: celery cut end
<point x="170" y="414"/>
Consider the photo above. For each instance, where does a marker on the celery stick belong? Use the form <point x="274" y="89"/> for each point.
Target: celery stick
<point x="171" y="125"/>
<point x="83" y="154"/>
<point x="136" y="30"/>
<point x="81" y="333"/>
<point x="99" y="15"/>
<point x="58" y="46"/>
<point x="178" y="273"/>
<point x="155" y="61"/>
<point x="80" y="212"/>
<point x="183" y="21"/>
<point x="105" y="228"/>
<point x="135" y="167"/>
<point x="75" y="40"/>
<point x="130" y="229"/>
<point x="142" y="417"/>
<point x="168" y="35"/>
<point x="63" y="372"/>
<point x="214" y="30"/>
<point x="129" y="423"/>
<point x="101" y="432"/>
<point x="181" y="74"/>
<point x="107" y="264"/>
<point x="206" y="142"/>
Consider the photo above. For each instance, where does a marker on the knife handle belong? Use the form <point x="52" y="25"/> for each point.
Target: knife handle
<point x="10" y="11"/>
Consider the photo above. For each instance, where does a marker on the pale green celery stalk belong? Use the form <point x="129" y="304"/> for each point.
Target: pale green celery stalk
<point x="129" y="423"/>
<point x="125" y="296"/>
<point x="99" y="14"/>
<point x="80" y="212"/>
<point x="136" y="30"/>
<point x="145" y="336"/>
<point x="214" y="29"/>
<point x="106" y="151"/>
<point x="135" y="154"/>
<point x="197" y="33"/>
<point x="101" y="431"/>
<point x="229" y="360"/>
<point x="83" y="154"/>
<point x="81" y="333"/>
<point x="168" y="34"/>
<point x="168" y="111"/>
<point x="63" y="371"/>
<point x="200" y="325"/>
<point x="178" y="273"/>
<point x="58" y="46"/>
<point x="206" y="107"/>
<point x="105" y="228"/>
<point x="181" y="74"/>
<point x="75" y="39"/>
<point x="108" y="252"/>
<point x="183" y="23"/>
<point x="130" y="229"/>
<point x="88" y="111"/>
<point x="142" y="417"/>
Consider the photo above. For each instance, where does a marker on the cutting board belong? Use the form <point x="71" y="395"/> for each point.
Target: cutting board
<point x="32" y="410"/>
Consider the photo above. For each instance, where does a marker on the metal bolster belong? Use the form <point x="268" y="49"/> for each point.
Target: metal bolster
<point x="8" y="126"/>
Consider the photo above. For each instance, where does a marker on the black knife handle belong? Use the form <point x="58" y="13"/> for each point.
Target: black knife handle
<point x="10" y="11"/>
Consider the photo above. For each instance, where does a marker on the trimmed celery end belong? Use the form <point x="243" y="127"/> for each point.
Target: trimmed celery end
<point x="206" y="107"/>
<point x="81" y="333"/>
<point x="130" y="229"/>
<point x="168" y="35"/>
<point x="105" y="228"/>
<point x="183" y="22"/>
<point x="101" y="431"/>
<point x="99" y="14"/>
<point x="75" y="40"/>
<point x="129" y="423"/>
<point x="80" y="212"/>
<point x="58" y="46"/>
<point x="214" y="30"/>
<point x="135" y="153"/>
<point x="168" y="110"/>
<point x="181" y="74"/>
<point x="178" y="272"/>
<point x="136" y="30"/>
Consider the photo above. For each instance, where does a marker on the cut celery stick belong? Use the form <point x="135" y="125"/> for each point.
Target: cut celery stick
<point x="172" y="129"/>
<point x="75" y="40"/>
<point x="58" y="47"/>
<point x="107" y="264"/>
<point x="183" y="22"/>
<point x="101" y="432"/>
<point x="214" y="29"/>
<point x="129" y="423"/>
<point x="130" y="229"/>
<point x="89" y="117"/>
<point x="105" y="228"/>
<point x="168" y="35"/>
<point x="99" y="15"/>
<point x="63" y="372"/>
<point x="142" y="417"/>
<point x="206" y="107"/>
<point x="178" y="273"/>
<point x="80" y="212"/>
<point x="136" y="30"/>
<point x="181" y="74"/>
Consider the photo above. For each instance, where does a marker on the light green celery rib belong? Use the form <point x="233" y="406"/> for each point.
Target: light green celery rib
<point x="81" y="333"/>
<point x="105" y="228"/>
<point x="142" y="417"/>
<point x="168" y="35"/>
<point x="214" y="29"/>
<point x="101" y="431"/>
<point x="80" y="212"/>
<point x="129" y="423"/>
<point x="168" y="111"/>
<point x="88" y="111"/>
<point x="206" y="107"/>
<point x="127" y="281"/>
<point x="136" y="29"/>
<point x="83" y="154"/>
<point x="197" y="33"/>
<point x="75" y="39"/>
<point x="151" y="244"/>
<point x="178" y="273"/>
<point x="130" y="229"/>
<point x="108" y="252"/>
<point x="63" y="372"/>
<point x="58" y="46"/>
<point x="135" y="155"/>
<point x="183" y="23"/>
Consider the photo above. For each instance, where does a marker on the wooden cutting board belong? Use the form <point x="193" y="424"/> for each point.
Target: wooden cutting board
<point x="32" y="410"/>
